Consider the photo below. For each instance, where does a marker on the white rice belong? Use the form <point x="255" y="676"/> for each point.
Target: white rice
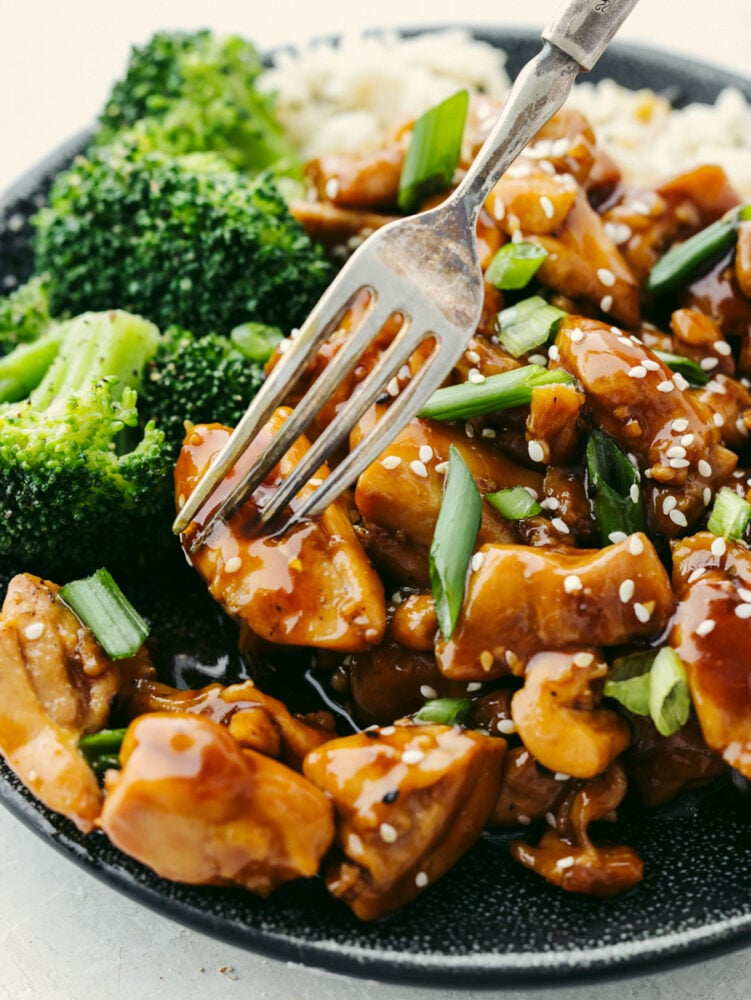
<point x="340" y="97"/>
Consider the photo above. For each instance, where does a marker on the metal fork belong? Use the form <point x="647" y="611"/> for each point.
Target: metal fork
<point x="424" y="269"/>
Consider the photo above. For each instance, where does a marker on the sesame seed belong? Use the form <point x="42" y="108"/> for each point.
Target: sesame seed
<point x="442" y="468"/>
<point x="427" y="691"/>
<point x="606" y="303"/>
<point x="638" y="371"/>
<point x="677" y="451"/>
<point x="707" y="496"/>
<point x="469" y="430"/>
<point x="708" y="364"/>
<point x="640" y="207"/>
<point x="679" y="426"/>
<point x="576" y="335"/>
<point x="388" y="833"/>
<point x="697" y="574"/>
<point x="477" y="560"/>
<point x="626" y="591"/>
<point x="388" y="730"/>
<point x="583" y="659"/>
<point x="506" y="726"/>
<point x="642" y="613"/>
<point x="473" y="686"/>
<point x="233" y="564"/>
<point x="547" y="206"/>
<point x="551" y="503"/>
<point x="665" y="386"/>
<point x="687" y="440"/>
<point x="560" y="525"/>
<point x="718" y="420"/>
<point x="391" y="462"/>
<point x="499" y="209"/>
<point x="617" y="536"/>
<point x="535" y="451"/>
<point x="678" y="463"/>
<point x="393" y="387"/>
<point x="745" y="594"/>
<point x="572" y="584"/>
<point x="331" y="188"/>
<point x="668" y="504"/>
<point x="412" y="756"/>
<point x="486" y="660"/>
<point x="553" y="353"/>
<point x="523" y="820"/>
<point x="473" y="357"/>
<point x="489" y="433"/>
<point x="633" y="493"/>
<point x="618" y="232"/>
<point x="419" y="469"/>
<point x="421" y="880"/>
<point x="315" y="481"/>
<point x="561" y="776"/>
<point x="722" y="347"/>
<point x="567" y="862"/>
<point x="705" y="627"/>
<point x="680" y="382"/>
<point x="475" y="377"/>
<point x="519" y="171"/>
<point x="743" y="611"/>
<point x="635" y="545"/>
<point x="718" y="547"/>
<point x="679" y="518"/>
<point x="34" y="631"/>
<point x="425" y="454"/>
<point x="650" y="365"/>
<point x="550" y="819"/>
<point x="606" y="277"/>
<point x="537" y="359"/>
<point x="740" y="426"/>
<point x="622" y="338"/>
<point x="705" y="469"/>
<point x="533" y="493"/>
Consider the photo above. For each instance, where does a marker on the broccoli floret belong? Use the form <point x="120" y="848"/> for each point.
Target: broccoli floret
<point x="194" y="91"/>
<point x="80" y="484"/>
<point x="24" y="314"/>
<point x="184" y="241"/>
<point x="198" y="379"/>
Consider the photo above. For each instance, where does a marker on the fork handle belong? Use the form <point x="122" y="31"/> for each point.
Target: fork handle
<point x="574" y="40"/>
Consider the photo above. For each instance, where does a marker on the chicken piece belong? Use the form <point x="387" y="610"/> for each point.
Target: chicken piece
<point x="638" y="401"/>
<point x="558" y="716"/>
<point x="338" y="229"/>
<point x="565" y="495"/>
<point x="698" y="337"/>
<point x="567" y="142"/>
<point x="485" y="356"/>
<point x="311" y="585"/>
<point x="716" y="293"/>
<point x="566" y="856"/>
<point x="584" y="262"/>
<point x="528" y="791"/>
<point x="730" y="403"/>
<point x="710" y="632"/>
<point x="196" y="808"/>
<point x="553" y="422"/>
<point x="521" y="601"/>
<point x="56" y="684"/>
<point x="530" y="200"/>
<point x="256" y="720"/>
<point x="410" y="801"/>
<point x="659" y="767"/>
<point x="395" y="556"/>
<point x="363" y="179"/>
<point x="402" y="490"/>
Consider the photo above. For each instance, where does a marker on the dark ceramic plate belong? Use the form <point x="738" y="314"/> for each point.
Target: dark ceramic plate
<point x="487" y="922"/>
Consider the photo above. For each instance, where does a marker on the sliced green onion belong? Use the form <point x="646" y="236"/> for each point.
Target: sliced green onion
<point x="669" y="700"/>
<point x="514" y="265"/>
<point x="453" y="541"/>
<point x="101" y="606"/>
<point x="730" y="514"/>
<point x="514" y="503"/>
<point x="256" y="341"/>
<point x="655" y="684"/>
<point x="497" y="392"/>
<point x="690" y="370"/>
<point x="527" y="325"/>
<point x="628" y="681"/>
<point x="683" y="260"/>
<point x="448" y="711"/>
<point x="102" y="750"/>
<point x="614" y="483"/>
<point x="434" y="151"/>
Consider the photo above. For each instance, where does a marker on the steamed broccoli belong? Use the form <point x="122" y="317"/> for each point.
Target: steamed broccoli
<point x="201" y="379"/>
<point x="79" y="483"/>
<point x="183" y="241"/>
<point x="24" y="314"/>
<point x="194" y="92"/>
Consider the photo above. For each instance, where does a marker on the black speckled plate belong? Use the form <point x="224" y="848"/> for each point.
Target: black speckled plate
<point x="487" y="922"/>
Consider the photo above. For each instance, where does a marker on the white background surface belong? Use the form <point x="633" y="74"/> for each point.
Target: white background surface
<point x="63" y="936"/>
